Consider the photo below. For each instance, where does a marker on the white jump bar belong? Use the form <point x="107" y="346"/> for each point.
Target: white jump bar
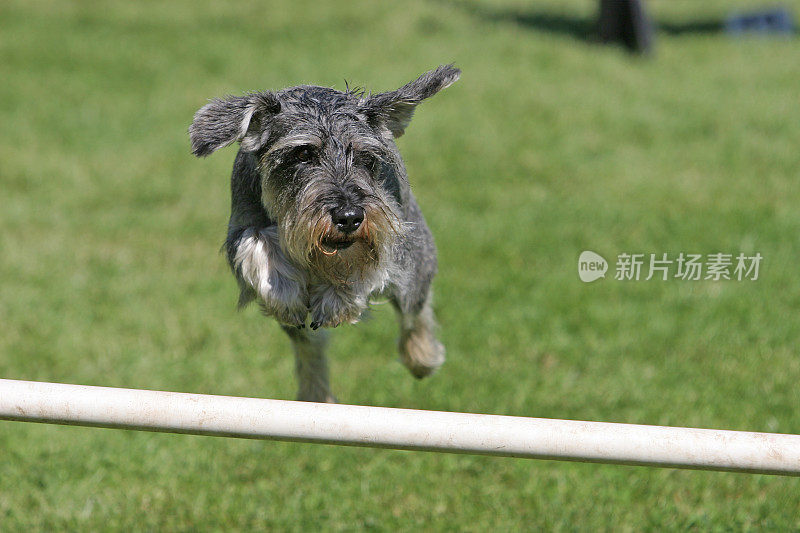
<point x="406" y="429"/>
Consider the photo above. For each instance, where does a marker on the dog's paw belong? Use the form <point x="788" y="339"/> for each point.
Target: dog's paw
<point x="421" y="352"/>
<point x="331" y="306"/>
<point x="332" y="318"/>
<point x="288" y="313"/>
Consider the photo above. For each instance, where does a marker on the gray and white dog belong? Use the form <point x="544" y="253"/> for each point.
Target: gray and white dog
<point x="322" y="214"/>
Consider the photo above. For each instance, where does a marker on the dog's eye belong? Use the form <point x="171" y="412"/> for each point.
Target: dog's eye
<point x="303" y="154"/>
<point x="366" y="160"/>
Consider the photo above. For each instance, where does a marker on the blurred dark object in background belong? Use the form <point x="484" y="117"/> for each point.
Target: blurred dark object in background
<point x="768" y="21"/>
<point x="627" y="23"/>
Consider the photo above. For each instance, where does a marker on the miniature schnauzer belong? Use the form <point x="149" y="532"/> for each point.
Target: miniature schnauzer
<point x="322" y="214"/>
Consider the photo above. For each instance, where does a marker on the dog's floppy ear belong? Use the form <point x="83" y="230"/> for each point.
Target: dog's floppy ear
<point x="233" y="118"/>
<point x="395" y="108"/>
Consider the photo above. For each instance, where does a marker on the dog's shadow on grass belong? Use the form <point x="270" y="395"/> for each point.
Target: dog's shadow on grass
<point x="578" y="27"/>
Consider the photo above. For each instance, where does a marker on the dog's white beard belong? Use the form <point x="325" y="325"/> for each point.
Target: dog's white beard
<point x="289" y="293"/>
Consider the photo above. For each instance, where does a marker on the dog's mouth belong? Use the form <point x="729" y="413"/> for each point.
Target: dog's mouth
<point x="331" y="246"/>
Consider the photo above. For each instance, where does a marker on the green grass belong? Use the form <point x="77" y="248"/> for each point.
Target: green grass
<point x="549" y="145"/>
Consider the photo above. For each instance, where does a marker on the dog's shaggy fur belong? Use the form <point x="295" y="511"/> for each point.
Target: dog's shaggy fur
<point x="322" y="214"/>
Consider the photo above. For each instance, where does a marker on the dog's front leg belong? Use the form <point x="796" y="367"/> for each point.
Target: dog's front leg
<point x="266" y="275"/>
<point x="311" y="365"/>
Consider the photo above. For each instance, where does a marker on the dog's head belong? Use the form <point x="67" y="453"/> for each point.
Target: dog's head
<point x="328" y="164"/>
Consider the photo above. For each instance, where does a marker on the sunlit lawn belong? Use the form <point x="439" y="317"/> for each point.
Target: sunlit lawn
<point x="110" y="271"/>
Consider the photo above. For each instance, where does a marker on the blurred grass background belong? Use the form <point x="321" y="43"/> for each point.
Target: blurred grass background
<point x="549" y="145"/>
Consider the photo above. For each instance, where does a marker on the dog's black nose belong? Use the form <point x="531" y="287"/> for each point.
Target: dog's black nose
<point x="348" y="219"/>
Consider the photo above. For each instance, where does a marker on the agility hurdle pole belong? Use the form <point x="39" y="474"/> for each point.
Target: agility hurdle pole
<point x="404" y="429"/>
